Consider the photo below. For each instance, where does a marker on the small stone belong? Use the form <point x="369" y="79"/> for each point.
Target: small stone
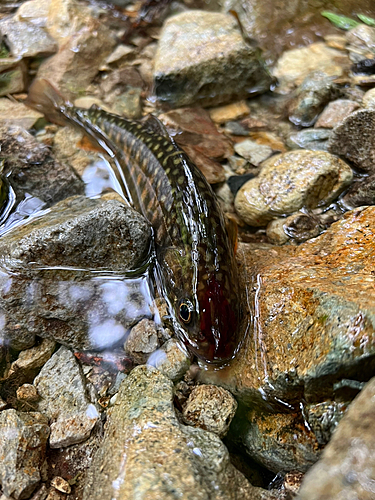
<point x="252" y="151"/>
<point x="142" y="341"/>
<point x="315" y="139"/>
<point x="128" y="104"/>
<point x="61" y="387"/>
<point x="298" y="227"/>
<point x="354" y="140"/>
<point x="292" y="483"/>
<point x="211" y="408"/>
<point x="23" y="441"/>
<point x="311" y="97"/>
<point x="54" y="494"/>
<point x="360" y="193"/>
<point x="290" y="181"/>
<point x="33" y="11"/>
<point x="225" y="197"/>
<point x="61" y="485"/>
<point x="296" y="64"/>
<point x="238" y="164"/>
<point x="336" y="41"/>
<point x="16" y="113"/>
<point x="368" y="100"/>
<point x="33" y="358"/>
<point x="41" y="494"/>
<point x="88" y="101"/>
<point x="27" y="392"/>
<point x="27" y="39"/>
<point x="234" y="111"/>
<point x="362" y="36"/>
<point x="202" y="57"/>
<point x="335" y="113"/>
<point x="13" y="81"/>
<point x="235" y="128"/>
<point x="3" y="404"/>
<point x="171" y="359"/>
<point x="120" y="52"/>
<point x="211" y="169"/>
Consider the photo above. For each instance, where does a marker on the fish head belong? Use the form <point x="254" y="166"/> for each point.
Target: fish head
<point x="209" y="322"/>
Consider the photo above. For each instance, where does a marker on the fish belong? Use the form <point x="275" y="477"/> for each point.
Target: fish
<point x="195" y="253"/>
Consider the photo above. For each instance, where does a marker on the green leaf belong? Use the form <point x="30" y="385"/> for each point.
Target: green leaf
<point x="367" y="20"/>
<point x="342" y="22"/>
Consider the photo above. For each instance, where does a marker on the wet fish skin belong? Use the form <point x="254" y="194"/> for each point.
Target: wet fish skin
<point x="197" y="265"/>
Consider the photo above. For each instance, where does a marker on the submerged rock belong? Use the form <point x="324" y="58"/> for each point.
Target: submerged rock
<point x="298" y="227"/>
<point x="68" y="306"/>
<point x="347" y="466"/>
<point x="354" y="140"/>
<point x="360" y="193"/>
<point x="252" y="151"/>
<point x="13" y="81"/>
<point x="202" y="57"/>
<point x="313" y="309"/>
<point x="295" y="65"/>
<point x="23" y="441"/>
<point x="315" y="139"/>
<point x="61" y="387"/>
<point x="160" y="458"/>
<point x="26" y="39"/>
<point x="16" y="113"/>
<point x="290" y="181"/>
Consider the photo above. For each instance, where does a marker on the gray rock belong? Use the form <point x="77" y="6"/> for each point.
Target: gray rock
<point x="311" y="97"/>
<point x="252" y="151"/>
<point x="27" y="39"/>
<point x="336" y="112"/>
<point x="159" y="457"/>
<point x="23" y="441"/>
<point x="171" y="360"/>
<point x="354" y="139"/>
<point x="323" y="418"/>
<point x="142" y="341"/>
<point x="33" y="169"/>
<point x="202" y="57"/>
<point x="211" y="408"/>
<point x="347" y="466"/>
<point x="362" y="36"/>
<point x="315" y="139"/>
<point x="62" y="390"/>
<point x="290" y="181"/>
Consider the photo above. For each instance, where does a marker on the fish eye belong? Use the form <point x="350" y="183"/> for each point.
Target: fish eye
<point x="185" y="311"/>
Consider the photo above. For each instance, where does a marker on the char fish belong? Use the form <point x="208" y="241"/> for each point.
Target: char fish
<point x="195" y="255"/>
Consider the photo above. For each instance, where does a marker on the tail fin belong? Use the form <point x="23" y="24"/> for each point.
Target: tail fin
<point x="43" y="97"/>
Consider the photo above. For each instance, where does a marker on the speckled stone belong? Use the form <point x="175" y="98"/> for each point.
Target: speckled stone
<point x="61" y="387"/>
<point x="33" y="358"/>
<point x="23" y="441"/>
<point x="211" y="408"/>
<point x="347" y="466"/>
<point x="172" y="360"/>
<point x="290" y="181"/>
<point x="159" y="457"/>
<point x="252" y="151"/>
<point x="142" y="341"/>
<point x="354" y="139"/>
<point x="26" y="39"/>
<point x="202" y="57"/>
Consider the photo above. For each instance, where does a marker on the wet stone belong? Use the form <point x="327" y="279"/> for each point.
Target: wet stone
<point x="252" y="151"/>
<point x="354" y="140"/>
<point x="27" y="39"/>
<point x="335" y="113"/>
<point x="295" y="65"/>
<point x="311" y="97"/>
<point x="142" y="341"/>
<point x="33" y="11"/>
<point x="315" y="139"/>
<point x="159" y="457"/>
<point x="33" y="358"/>
<point x="360" y="193"/>
<point x="368" y="101"/>
<point x="23" y="441"/>
<point x="347" y="466"/>
<point x="211" y="408"/>
<point x="298" y="227"/>
<point x="202" y="57"/>
<point x="290" y="181"/>
<point x="362" y="36"/>
<point x="234" y="111"/>
<point x="33" y="169"/>
<point x="172" y="360"/>
<point x="63" y="400"/>
<point x="61" y="485"/>
<point x="13" y="81"/>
